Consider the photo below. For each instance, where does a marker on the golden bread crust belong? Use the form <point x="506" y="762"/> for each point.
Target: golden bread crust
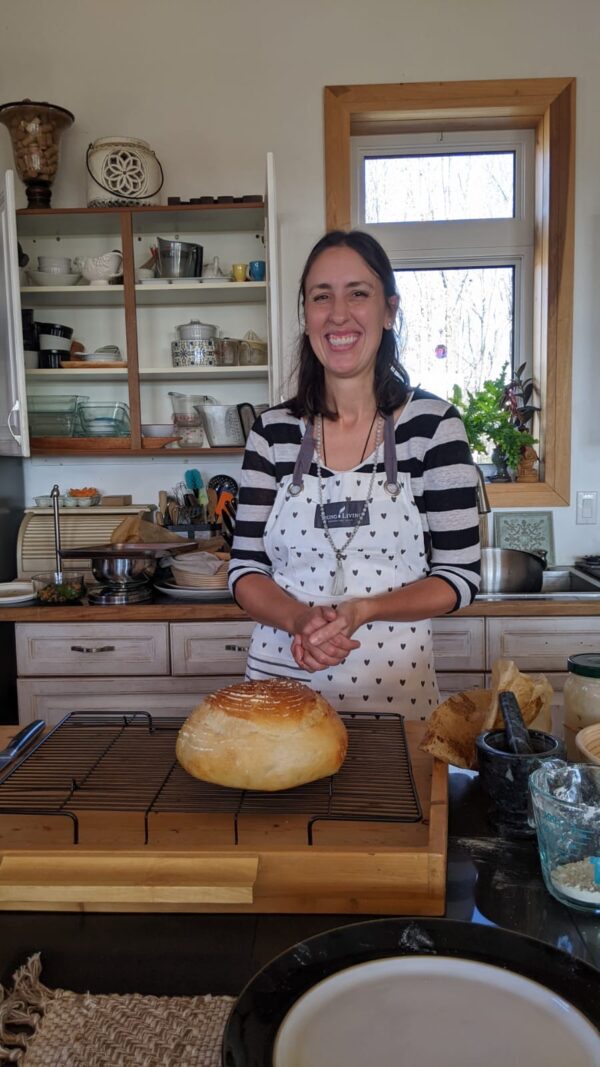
<point x="262" y="735"/>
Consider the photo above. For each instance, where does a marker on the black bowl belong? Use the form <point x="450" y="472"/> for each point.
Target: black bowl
<point x="55" y="329"/>
<point x="260" y="1009"/>
<point x="50" y="358"/>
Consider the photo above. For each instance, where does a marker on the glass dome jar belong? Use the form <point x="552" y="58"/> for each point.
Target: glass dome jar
<point x="582" y="698"/>
<point x="35" y="128"/>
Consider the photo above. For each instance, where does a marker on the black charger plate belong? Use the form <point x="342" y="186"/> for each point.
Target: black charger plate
<point x="262" y="1006"/>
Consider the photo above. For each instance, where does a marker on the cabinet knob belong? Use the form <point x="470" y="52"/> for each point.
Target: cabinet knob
<point x="237" y="648"/>
<point x="100" y="648"/>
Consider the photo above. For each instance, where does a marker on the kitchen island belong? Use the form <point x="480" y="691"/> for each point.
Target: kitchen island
<point x="490" y="880"/>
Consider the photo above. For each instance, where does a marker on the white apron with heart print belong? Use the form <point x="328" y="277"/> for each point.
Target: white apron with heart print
<point x="393" y="669"/>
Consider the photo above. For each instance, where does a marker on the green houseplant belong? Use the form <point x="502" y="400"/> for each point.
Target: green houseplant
<point x="496" y="415"/>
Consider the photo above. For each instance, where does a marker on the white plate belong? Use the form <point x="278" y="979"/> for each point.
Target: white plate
<point x="16" y="592"/>
<point x="184" y="592"/>
<point x="425" y="1011"/>
<point x="41" y="277"/>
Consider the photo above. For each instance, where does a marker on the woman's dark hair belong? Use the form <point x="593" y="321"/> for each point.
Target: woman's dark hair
<point x="391" y="379"/>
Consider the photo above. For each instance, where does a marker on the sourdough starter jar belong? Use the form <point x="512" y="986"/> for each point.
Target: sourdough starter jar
<point x="582" y="698"/>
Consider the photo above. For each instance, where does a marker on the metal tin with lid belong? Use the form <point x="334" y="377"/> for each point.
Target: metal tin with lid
<point x="581" y="697"/>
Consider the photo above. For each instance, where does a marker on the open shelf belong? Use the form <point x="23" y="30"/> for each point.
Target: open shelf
<point x="72" y="295"/>
<point x="194" y="290"/>
<point x="182" y="218"/>
<point x="190" y="374"/>
<point x="150" y="374"/>
<point x="97" y="374"/>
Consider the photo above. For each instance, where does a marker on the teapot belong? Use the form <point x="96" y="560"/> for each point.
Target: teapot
<point x="98" y="269"/>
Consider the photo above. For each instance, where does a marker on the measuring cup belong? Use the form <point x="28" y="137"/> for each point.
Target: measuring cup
<point x="566" y="807"/>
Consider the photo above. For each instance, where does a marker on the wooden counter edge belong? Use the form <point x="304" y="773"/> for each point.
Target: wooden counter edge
<point x="228" y="611"/>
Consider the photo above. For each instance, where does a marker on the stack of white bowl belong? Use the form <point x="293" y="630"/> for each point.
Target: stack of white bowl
<point x="54" y="270"/>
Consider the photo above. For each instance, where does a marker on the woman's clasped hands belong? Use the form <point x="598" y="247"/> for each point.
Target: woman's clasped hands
<point x="323" y="636"/>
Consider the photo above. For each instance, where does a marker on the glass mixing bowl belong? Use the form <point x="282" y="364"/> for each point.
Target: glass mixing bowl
<point x="566" y="806"/>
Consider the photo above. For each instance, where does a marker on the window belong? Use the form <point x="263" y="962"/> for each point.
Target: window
<point x="504" y="255"/>
<point x="456" y="215"/>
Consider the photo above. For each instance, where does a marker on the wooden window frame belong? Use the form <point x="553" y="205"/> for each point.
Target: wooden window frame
<point x="548" y="106"/>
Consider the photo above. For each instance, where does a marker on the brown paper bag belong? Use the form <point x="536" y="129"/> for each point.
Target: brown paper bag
<point x="134" y="530"/>
<point x="453" y="726"/>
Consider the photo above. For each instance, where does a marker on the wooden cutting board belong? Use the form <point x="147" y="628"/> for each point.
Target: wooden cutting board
<point x="379" y="871"/>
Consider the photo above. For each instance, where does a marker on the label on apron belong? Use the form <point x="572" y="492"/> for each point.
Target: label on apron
<point x="342" y="513"/>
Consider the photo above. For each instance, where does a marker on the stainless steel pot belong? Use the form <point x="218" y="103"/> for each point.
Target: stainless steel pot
<point x="508" y="570"/>
<point x="178" y="259"/>
<point x="124" y="564"/>
<point x="123" y="570"/>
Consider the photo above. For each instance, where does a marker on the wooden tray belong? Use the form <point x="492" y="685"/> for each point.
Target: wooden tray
<point x="154" y="443"/>
<point x="382" y="870"/>
<point x="84" y="364"/>
<point x="81" y="444"/>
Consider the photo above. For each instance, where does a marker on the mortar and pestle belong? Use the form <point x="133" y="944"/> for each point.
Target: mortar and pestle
<point x="506" y="759"/>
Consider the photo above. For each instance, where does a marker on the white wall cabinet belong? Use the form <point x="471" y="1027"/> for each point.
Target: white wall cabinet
<point x="138" y="317"/>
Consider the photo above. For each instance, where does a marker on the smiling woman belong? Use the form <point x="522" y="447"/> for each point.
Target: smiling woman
<point x="357" y="519"/>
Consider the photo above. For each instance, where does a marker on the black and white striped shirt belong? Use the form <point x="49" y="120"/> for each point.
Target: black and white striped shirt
<point x="432" y="450"/>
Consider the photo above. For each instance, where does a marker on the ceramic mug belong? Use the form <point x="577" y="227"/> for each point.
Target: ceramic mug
<point x="257" y="270"/>
<point x="239" y="272"/>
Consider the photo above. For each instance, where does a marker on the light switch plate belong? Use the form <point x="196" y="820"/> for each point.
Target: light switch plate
<point x="587" y="507"/>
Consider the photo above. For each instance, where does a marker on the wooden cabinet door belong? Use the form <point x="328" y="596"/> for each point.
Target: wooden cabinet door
<point x="14" y="434"/>
<point x="459" y="644"/>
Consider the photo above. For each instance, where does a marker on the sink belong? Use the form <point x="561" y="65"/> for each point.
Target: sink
<point x="559" y="583"/>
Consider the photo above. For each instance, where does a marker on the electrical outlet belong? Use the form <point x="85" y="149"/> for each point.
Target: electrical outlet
<point x="587" y="507"/>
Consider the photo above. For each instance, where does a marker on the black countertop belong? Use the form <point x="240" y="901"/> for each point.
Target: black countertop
<point x="490" y="880"/>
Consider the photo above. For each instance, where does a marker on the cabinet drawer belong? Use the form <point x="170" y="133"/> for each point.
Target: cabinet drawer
<point x="541" y="644"/>
<point x="53" y="698"/>
<point x="89" y="649"/>
<point x="459" y="644"/>
<point x="210" y="648"/>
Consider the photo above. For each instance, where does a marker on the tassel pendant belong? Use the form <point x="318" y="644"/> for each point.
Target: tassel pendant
<point x="339" y="581"/>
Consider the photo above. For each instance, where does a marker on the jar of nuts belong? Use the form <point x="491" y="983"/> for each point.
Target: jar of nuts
<point x="35" y="128"/>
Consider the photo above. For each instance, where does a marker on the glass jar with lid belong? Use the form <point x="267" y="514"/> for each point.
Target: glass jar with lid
<point x="582" y="698"/>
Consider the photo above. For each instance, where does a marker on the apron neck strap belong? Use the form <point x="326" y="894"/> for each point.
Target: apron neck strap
<point x="389" y="455"/>
<point x="307" y="449"/>
<point x="303" y="460"/>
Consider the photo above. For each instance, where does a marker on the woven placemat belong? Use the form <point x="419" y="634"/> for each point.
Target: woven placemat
<point x="41" y="1027"/>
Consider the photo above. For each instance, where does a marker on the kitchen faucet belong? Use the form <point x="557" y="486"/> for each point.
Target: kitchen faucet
<point x="483" y="508"/>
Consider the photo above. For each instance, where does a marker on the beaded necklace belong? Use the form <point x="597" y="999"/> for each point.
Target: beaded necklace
<point x="340" y="553"/>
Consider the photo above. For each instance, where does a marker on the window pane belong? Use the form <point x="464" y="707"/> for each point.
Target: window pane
<point x="440" y="188"/>
<point x="458" y="325"/>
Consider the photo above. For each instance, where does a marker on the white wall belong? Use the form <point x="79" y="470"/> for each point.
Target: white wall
<point x="214" y="85"/>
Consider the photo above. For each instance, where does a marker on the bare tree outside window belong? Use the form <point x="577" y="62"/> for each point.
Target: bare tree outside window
<point x="457" y="325"/>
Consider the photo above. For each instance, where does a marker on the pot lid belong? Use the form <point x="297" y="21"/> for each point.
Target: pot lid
<point x="127" y="550"/>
